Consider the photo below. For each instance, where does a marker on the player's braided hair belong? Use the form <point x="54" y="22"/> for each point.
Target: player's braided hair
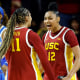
<point x="18" y="17"/>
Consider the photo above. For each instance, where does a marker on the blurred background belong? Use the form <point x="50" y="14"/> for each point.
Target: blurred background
<point x="68" y="9"/>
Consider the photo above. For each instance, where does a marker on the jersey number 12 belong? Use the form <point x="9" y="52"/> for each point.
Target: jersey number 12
<point x="51" y="56"/>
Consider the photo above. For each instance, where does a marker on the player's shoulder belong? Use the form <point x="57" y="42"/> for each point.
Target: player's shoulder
<point x="2" y="28"/>
<point x="46" y="33"/>
<point x="68" y="30"/>
<point x="43" y="37"/>
<point x="32" y="33"/>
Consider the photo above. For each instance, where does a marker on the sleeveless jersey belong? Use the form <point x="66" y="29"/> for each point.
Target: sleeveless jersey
<point x="1" y="30"/>
<point x="1" y="75"/>
<point x="22" y="64"/>
<point x="59" y="53"/>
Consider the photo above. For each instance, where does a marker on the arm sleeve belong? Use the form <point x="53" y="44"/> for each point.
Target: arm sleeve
<point x="71" y="38"/>
<point x="35" y="41"/>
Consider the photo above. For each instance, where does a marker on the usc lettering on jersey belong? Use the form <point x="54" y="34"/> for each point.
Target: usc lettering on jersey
<point x="59" y="53"/>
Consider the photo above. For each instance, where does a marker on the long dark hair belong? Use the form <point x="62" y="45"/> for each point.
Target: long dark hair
<point x="18" y="17"/>
<point x="4" y="19"/>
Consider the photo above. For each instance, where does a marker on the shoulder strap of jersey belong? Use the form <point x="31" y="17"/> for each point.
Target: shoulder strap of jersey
<point x="2" y="28"/>
<point x="27" y="38"/>
<point x="67" y="29"/>
<point x="46" y="36"/>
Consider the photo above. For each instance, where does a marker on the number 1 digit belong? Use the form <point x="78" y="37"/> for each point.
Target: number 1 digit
<point x="17" y="45"/>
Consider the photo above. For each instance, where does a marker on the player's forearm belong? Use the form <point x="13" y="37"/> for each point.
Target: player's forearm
<point x="40" y="67"/>
<point x="45" y="63"/>
<point x="48" y="70"/>
<point x="75" y="67"/>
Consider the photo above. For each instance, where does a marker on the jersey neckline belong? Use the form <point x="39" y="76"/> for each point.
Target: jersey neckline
<point x="57" y="34"/>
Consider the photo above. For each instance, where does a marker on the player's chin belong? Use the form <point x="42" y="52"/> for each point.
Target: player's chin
<point x="49" y="28"/>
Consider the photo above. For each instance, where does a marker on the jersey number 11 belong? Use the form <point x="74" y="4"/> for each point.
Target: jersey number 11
<point x="17" y="45"/>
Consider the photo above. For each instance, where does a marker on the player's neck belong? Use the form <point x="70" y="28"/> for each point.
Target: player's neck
<point x="56" y="29"/>
<point x="22" y="25"/>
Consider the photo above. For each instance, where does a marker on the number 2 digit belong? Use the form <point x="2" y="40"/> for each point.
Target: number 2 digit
<point x="51" y="56"/>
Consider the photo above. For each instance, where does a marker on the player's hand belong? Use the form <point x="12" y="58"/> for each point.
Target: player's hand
<point x="64" y="78"/>
<point x="60" y="77"/>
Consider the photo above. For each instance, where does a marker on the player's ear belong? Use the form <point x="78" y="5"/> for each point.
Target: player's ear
<point x="58" y="19"/>
<point x="27" y="18"/>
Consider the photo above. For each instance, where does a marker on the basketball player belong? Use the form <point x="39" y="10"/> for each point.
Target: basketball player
<point x="3" y="22"/>
<point x="22" y="42"/>
<point x="61" y="45"/>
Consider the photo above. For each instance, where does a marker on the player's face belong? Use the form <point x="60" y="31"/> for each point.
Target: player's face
<point x="29" y="20"/>
<point x="50" y="20"/>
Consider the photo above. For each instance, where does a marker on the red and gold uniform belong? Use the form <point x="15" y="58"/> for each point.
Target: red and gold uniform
<point x="22" y="63"/>
<point x="58" y="47"/>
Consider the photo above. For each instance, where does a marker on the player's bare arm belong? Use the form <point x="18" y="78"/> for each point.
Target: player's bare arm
<point x="76" y="66"/>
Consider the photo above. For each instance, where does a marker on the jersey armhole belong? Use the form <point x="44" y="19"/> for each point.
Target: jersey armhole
<point x="27" y="38"/>
<point x="64" y="36"/>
